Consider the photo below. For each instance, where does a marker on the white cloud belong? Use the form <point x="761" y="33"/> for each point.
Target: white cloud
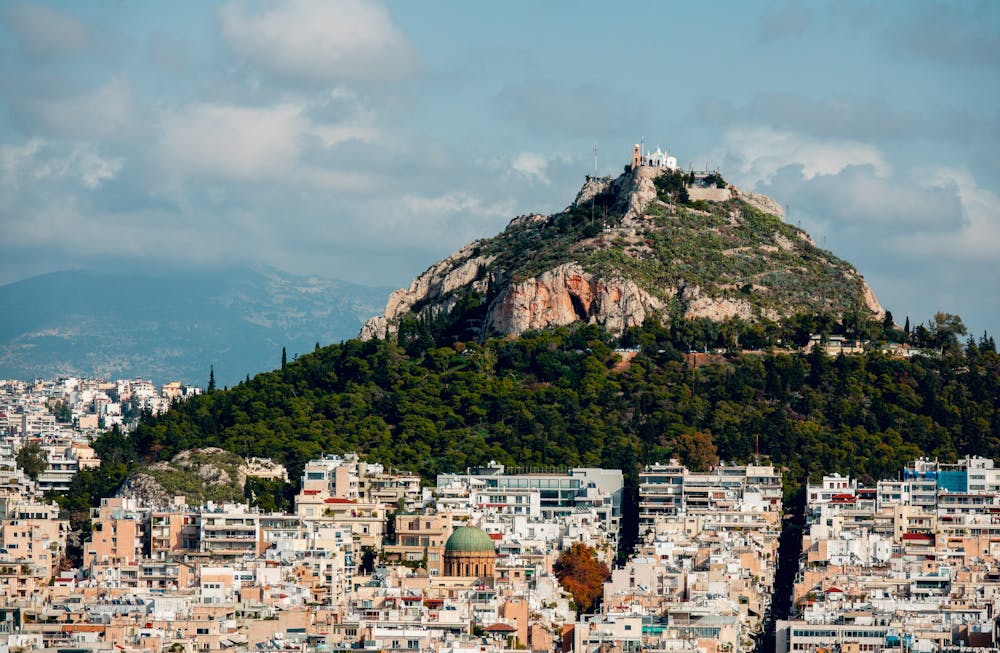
<point x="531" y="165"/>
<point x="978" y="236"/>
<point x="40" y="160"/>
<point x="757" y="153"/>
<point x="233" y="142"/>
<point x="256" y="144"/>
<point x="455" y="202"/>
<point x="856" y="198"/>
<point x="318" y="41"/>
<point x="47" y="32"/>
<point x="13" y="160"/>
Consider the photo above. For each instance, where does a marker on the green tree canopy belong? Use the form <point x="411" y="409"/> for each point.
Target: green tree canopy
<point x="31" y="460"/>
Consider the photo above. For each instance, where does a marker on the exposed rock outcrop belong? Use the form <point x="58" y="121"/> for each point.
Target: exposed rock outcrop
<point x="622" y="252"/>
<point x="463" y="269"/>
<point x="209" y="474"/>
<point x="567" y="294"/>
<point x="759" y="201"/>
<point x="717" y="309"/>
<point x="641" y="191"/>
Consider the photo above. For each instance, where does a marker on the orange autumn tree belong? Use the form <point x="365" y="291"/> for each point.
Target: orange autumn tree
<point x="581" y="574"/>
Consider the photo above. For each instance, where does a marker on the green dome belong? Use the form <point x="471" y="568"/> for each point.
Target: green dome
<point x="469" y="539"/>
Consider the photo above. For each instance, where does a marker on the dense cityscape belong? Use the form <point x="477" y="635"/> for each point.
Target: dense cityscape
<point x="375" y="326"/>
<point x="377" y="559"/>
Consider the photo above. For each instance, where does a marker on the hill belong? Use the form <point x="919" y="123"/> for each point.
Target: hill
<point x="171" y="323"/>
<point x="632" y="248"/>
<point x="562" y="397"/>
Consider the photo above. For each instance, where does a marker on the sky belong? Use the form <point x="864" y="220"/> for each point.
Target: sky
<point x="366" y="140"/>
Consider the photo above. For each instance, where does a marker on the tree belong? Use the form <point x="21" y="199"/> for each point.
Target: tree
<point x="696" y="451"/>
<point x="62" y="411"/>
<point x="211" y="378"/>
<point x="266" y="494"/>
<point x="581" y="574"/>
<point x="945" y="330"/>
<point x="284" y="359"/>
<point x="31" y="460"/>
<point x="887" y="322"/>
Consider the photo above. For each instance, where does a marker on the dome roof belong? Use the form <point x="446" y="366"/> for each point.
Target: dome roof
<point x="469" y="539"/>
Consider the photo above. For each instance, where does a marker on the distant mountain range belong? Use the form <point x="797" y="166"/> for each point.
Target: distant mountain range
<point x="173" y="324"/>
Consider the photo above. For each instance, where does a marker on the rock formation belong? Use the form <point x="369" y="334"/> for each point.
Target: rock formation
<point x="197" y="474"/>
<point x="624" y="251"/>
<point x="567" y="294"/>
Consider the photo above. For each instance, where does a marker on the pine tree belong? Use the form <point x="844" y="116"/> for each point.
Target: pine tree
<point x="211" y="378"/>
<point x="888" y="322"/>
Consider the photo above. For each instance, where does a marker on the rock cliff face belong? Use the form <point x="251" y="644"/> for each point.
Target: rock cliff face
<point x="625" y="251"/>
<point x="462" y="270"/>
<point x="567" y="294"/>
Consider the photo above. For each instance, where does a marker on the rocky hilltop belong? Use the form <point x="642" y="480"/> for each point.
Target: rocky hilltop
<point x="652" y="242"/>
<point x="199" y="475"/>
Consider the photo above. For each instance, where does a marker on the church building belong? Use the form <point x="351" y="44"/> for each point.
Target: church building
<point x="469" y="552"/>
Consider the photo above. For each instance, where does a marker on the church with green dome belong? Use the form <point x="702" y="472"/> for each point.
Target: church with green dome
<point x="469" y="552"/>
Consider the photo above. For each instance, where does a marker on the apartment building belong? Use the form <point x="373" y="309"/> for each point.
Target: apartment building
<point x="670" y="490"/>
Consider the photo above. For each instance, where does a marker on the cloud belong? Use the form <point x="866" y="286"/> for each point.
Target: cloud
<point x="44" y="32"/>
<point x="318" y="41"/>
<point x="758" y="153"/>
<point x="233" y="142"/>
<point x="857" y="202"/>
<point x="39" y="160"/>
<point x="455" y="202"/>
<point x="106" y="113"/>
<point x="977" y="236"/>
<point x="531" y="166"/>
<point x="256" y="144"/>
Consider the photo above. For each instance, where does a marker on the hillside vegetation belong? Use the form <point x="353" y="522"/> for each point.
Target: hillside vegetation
<point x="555" y="398"/>
<point x="724" y="248"/>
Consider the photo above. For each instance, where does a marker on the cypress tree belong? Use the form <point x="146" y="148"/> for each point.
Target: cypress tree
<point x="211" y="378"/>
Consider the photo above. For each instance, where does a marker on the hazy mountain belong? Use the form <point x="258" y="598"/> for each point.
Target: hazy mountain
<point x="172" y="324"/>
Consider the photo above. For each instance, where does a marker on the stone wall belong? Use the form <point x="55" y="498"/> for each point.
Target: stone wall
<point x="696" y="193"/>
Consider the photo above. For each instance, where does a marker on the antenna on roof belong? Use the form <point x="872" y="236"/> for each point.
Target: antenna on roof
<point x="595" y="159"/>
